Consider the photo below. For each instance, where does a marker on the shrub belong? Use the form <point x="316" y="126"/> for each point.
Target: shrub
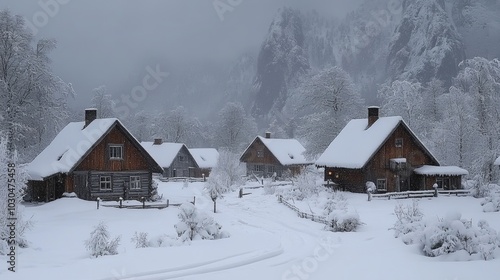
<point x="141" y="240"/>
<point x="409" y="224"/>
<point x="99" y="243"/>
<point x="335" y="201"/>
<point x="343" y="221"/>
<point x="197" y="224"/>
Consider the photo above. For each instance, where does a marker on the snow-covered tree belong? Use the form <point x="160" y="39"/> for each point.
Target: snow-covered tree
<point x="32" y="96"/>
<point x="403" y="98"/>
<point x="103" y="102"/>
<point x="431" y="93"/>
<point x="178" y="126"/>
<point x="234" y="128"/>
<point x="99" y="243"/>
<point x="225" y="176"/>
<point x="330" y="99"/>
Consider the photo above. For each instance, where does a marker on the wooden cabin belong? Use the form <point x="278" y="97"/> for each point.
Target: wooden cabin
<point x="206" y="159"/>
<point x="267" y="156"/>
<point x="94" y="158"/>
<point x="385" y="151"/>
<point x="174" y="158"/>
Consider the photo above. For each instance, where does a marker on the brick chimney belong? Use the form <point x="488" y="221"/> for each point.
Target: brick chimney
<point x="158" y="141"/>
<point x="268" y="135"/>
<point x="90" y="116"/>
<point x="372" y="114"/>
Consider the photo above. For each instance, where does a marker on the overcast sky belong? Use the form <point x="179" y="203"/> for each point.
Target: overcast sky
<point x="109" y="41"/>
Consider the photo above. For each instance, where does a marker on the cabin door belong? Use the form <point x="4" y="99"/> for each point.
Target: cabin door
<point x="81" y="186"/>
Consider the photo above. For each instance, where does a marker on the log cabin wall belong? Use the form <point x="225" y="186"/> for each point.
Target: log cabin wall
<point x="352" y="180"/>
<point x="120" y="185"/>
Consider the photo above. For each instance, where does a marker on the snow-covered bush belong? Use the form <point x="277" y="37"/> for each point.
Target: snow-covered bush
<point x="154" y="192"/>
<point x="371" y="187"/>
<point x="336" y="211"/>
<point x="343" y="221"/>
<point x="305" y="185"/>
<point x="335" y="201"/>
<point x="269" y="188"/>
<point x="491" y="201"/>
<point x="409" y="223"/>
<point x="141" y="240"/>
<point x="453" y="234"/>
<point x="194" y="223"/>
<point x="99" y="243"/>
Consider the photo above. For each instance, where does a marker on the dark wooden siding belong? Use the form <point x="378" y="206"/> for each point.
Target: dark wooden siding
<point x="258" y="156"/>
<point x="379" y="166"/>
<point x="98" y="159"/>
<point x="120" y="182"/>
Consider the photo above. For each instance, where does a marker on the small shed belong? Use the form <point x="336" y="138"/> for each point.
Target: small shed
<point x="446" y="177"/>
<point x="267" y="156"/>
<point x="206" y="159"/>
<point x="174" y="158"/>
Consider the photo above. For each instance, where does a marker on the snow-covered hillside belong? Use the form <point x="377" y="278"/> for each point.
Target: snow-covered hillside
<point x="268" y="241"/>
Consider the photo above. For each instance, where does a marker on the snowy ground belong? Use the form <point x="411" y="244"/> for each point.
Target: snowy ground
<point x="268" y="241"/>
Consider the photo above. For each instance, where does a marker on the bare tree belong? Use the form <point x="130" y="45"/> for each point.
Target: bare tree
<point x="103" y="102"/>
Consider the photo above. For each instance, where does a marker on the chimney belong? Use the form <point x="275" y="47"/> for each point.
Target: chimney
<point x="90" y="116"/>
<point x="268" y="135"/>
<point x="372" y="114"/>
<point x="158" y="141"/>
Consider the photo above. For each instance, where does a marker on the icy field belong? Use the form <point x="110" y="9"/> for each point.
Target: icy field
<point x="268" y="241"/>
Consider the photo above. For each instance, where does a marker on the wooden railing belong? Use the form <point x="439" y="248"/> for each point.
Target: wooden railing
<point x="181" y="179"/>
<point x="314" y="218"/>
<point x="420" y="194"/>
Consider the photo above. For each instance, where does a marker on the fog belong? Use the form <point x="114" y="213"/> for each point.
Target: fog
<point x="111" y="42"/>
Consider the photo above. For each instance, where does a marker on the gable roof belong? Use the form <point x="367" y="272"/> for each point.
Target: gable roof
<point x="286" y="151"/>
<point x="205" y="157"/>
<point x="73" y="143"/>
<point x="163" y="153"/>
<point x="356" y="144"/>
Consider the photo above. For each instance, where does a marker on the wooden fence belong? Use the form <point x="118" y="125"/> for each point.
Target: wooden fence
<point x="314" y="218"/>
<point x="181" y="179"/>
<point x="420" y="194"/>
<point x="143" y="205"/>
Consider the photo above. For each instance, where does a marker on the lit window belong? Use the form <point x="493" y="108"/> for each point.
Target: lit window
<point x="381" y="184"/>
<point x="135" y="182"/>
<point x="116" y="152"/>
<point x="105" y="183"/>
<point x="399" y="142"/>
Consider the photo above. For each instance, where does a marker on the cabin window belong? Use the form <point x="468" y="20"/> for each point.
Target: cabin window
<point x="271" y="169"/>
<point x="381" y="184"/>
<point x="105" y="183"/>
<point x="135" y="182"/>
<point x="258" y="168"/>
<point x="399" y="142"/>
<point x="115" y="151"/>
<point x="182" y="158"/>
<point x="260" y="153"/>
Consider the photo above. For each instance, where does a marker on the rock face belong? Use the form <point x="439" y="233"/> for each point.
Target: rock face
<point x="281" y="61"/>
<point x="425" y="44"/>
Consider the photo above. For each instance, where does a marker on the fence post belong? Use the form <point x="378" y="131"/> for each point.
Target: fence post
<point x="98" y="200"/>
<point x="168" y="202"/>
<point x="240" y="195"/>
<point x="143" y="202"/>
<point x="121" y="201"/>
<point x="194" y="200"/>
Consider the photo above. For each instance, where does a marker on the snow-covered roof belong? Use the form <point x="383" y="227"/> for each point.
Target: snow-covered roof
<point x="497" y="161"/>
<point x="286" y="151"/>
<point x="205" y="157"/>
<point x="356" y="144"/>
<point x="441" y="170"/>
<point x="68" y="147"/>
<point x="164" y="154"/>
